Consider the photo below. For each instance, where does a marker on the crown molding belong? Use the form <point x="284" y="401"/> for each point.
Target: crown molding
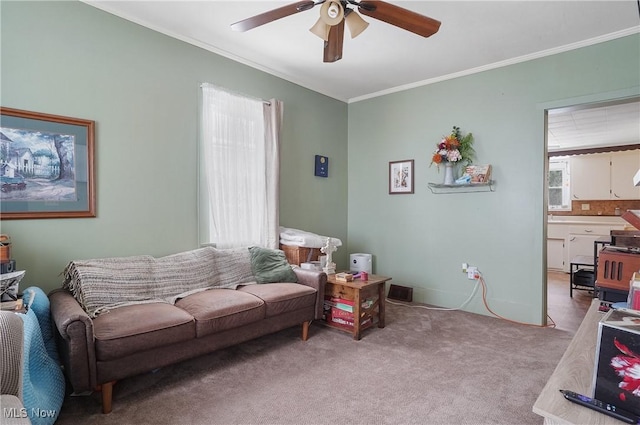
<point x="513" y="61"/>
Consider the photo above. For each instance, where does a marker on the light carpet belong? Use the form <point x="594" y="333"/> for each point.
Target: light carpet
<point x="424" y="367"/>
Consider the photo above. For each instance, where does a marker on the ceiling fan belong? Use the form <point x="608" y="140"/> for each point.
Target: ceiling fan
<point x="334" y="14"/>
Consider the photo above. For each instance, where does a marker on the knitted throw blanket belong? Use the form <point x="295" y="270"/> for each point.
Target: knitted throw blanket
<point x="102" y="284"/>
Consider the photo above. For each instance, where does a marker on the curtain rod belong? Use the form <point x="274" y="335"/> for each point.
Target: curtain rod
<point x="266" y="102"/>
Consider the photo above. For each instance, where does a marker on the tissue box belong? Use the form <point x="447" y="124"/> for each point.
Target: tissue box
<point x="615" y="377"/>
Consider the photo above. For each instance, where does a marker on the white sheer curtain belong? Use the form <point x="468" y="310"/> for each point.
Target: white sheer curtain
<point x="239" y="169"/>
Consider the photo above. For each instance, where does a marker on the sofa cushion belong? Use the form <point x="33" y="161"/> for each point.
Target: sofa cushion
<point x="216" y="310"/>
<point x="271" y="265"/>
<point x="131" y="329"/>
<point x="282" y="297"/>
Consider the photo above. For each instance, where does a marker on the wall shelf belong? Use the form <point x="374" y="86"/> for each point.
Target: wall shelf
<point x="462" y="188"/>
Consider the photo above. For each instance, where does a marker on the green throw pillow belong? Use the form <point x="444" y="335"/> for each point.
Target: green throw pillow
<point x="270" y="265"/>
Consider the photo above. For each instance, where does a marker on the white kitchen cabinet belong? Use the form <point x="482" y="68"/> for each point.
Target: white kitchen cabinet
<point x="624" y="165"/>
<point x="555" y="254"/>
<point x="582" y="237"/>
<point x="557" y="230"/>
<point x="605" y="176"/>
<point x="590" y="177"/>
<point x="567" y="240"/>
<point x="557" y="234"/>
<point x="581" y="245"/>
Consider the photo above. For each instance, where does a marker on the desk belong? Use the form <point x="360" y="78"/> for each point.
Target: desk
<point x="574" y="372"/>
<point x="358" y="291"/>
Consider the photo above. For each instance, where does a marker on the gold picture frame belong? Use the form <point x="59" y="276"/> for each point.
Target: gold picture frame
<point x="46" y="166"/>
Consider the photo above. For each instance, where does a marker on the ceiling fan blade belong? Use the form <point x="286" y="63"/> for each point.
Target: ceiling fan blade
<point x="273" y="15"/>
<point x="333" y="47"/>
<point x="400" y="17"/>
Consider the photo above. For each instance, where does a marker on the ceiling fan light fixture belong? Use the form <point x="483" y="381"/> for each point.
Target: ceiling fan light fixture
<point x="355" y="23"/>
<point x="336" y="14"/>
<point x="331" y="12"/>
<point x="321" y="29"/>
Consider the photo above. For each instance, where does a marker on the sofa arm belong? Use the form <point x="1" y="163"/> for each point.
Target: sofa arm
<point x="316" y="280"/>
<point x="76" y="340"/>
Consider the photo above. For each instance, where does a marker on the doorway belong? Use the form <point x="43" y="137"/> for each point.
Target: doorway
<point x="584" y="131"/>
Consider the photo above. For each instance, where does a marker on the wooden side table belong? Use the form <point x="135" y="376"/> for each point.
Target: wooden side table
<point x="359" y="291"/>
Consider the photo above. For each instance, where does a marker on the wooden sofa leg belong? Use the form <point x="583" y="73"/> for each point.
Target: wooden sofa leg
<point x="107" y="396"/>
<point x="305" y="330"/>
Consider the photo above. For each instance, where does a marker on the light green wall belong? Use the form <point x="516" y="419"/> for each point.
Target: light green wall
<point x="421" y="240"/>
<point x="141" y="88"/>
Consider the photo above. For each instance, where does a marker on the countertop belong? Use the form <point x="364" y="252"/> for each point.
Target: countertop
<point x="587" y="219"/>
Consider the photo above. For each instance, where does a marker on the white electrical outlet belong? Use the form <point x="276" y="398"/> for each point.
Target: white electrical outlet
<point x="464" y="267"/>
<point x="472" y="271"/>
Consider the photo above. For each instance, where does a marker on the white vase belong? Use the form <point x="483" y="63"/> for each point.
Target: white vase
<point x="448" y="173"/>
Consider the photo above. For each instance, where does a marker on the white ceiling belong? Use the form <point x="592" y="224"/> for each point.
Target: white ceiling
<point x="606" y="125"/>
<point x="474" y="36"/>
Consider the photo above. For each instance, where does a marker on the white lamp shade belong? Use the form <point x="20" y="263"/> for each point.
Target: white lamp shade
<point x="331" y="12"/>
<point x="355" y="23"/>
<point x="321" y="29"/>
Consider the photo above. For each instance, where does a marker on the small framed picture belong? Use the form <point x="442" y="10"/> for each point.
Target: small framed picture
<point x="401" y="177"/>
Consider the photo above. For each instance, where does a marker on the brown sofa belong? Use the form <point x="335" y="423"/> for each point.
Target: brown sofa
<point x="132" y="339"/>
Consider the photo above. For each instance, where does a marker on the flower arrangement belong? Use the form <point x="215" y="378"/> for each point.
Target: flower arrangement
<point x="454" y="148"/>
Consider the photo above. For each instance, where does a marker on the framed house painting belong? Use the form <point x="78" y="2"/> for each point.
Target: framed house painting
<point x="401" y="177"/>
<point x="46" y="166"/>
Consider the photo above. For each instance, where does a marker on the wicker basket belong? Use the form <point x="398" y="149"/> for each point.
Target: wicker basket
<point x="298" y="255"/>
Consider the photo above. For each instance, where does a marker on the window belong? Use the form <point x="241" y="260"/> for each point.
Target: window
<point x="559" y="184"/>
<point x="238" y="169"/>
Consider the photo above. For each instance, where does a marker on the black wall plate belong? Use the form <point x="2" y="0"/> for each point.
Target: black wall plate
<point x="322" y="166"/>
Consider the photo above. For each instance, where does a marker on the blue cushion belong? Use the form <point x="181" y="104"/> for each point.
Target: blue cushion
<point x="42" y="381"/>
